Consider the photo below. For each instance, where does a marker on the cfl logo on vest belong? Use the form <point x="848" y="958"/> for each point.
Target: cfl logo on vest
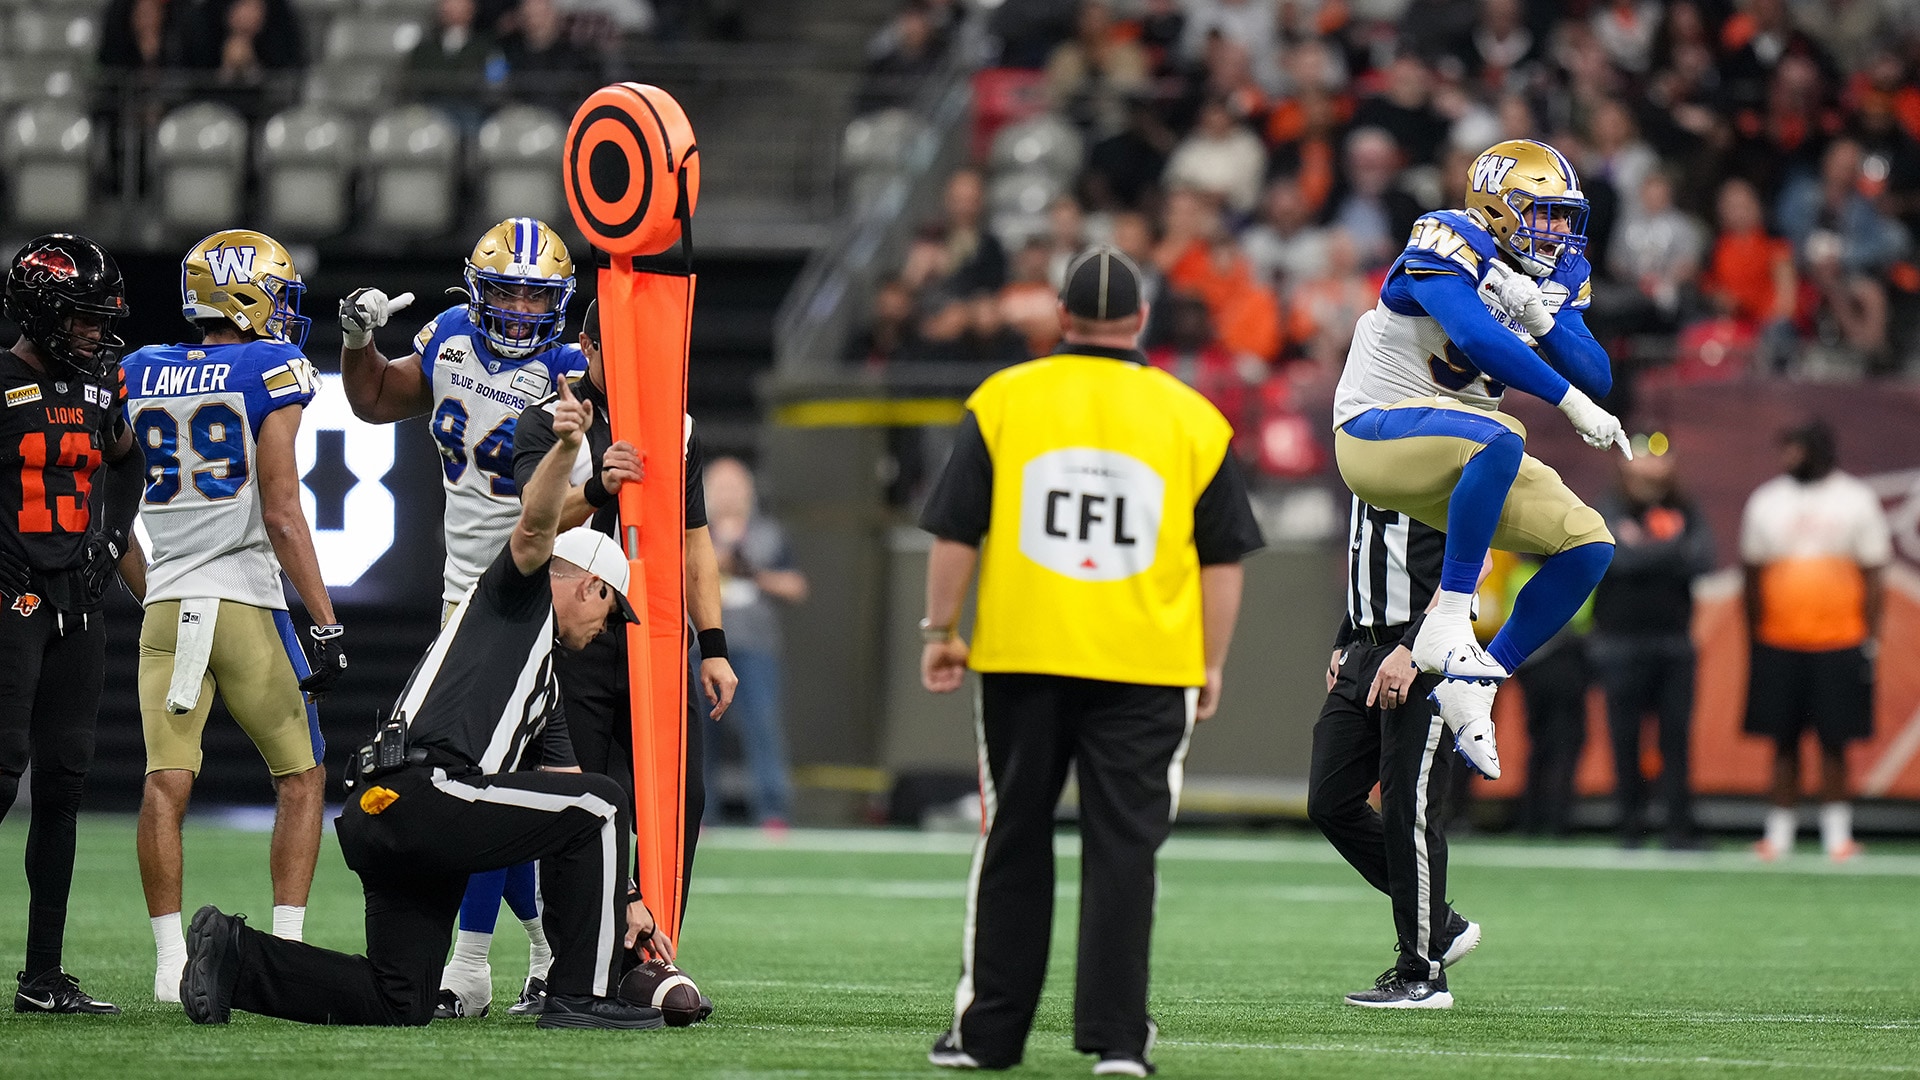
<point x="1091" y="515"/>
<point x="230" y="264"/>
<point x="1489" y="172"/>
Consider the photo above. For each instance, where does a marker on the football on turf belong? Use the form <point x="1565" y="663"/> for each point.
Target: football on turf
<point x="667" y="988"/>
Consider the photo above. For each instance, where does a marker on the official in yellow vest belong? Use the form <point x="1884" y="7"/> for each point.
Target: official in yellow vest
<point x="1103" y="506"/>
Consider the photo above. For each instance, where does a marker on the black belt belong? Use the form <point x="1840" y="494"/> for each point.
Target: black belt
<point x="1380" y="635"/>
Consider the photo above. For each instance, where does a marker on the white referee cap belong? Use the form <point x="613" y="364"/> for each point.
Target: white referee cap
<point x="597" y="554"/>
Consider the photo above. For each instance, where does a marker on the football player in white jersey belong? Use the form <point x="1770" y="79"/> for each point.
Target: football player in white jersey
<point x="1483" y="299"/>
<point x="475" y="367"/>
<point x="216" y="422"/>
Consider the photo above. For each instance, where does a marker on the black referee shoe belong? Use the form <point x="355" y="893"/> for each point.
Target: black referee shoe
<point x="533" y="998"/>
<point x="1466" y="938"/>
<point x="1394" y="991"/>
<point x="213" y="965"/>
<point x="55" y="991"/>
<point x="593" y="1012"/>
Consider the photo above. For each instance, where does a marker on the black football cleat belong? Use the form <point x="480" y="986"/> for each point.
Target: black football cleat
<point x="593" y="1012"/>
<point x="449" y="1006"/>
<point x="533" y="998"/>
<point x="1393" y="991"/>
<point x="213" y="965"/>
<point x="1466" y="938"/>
<point x="1114" y="1063"/>
<point x="55" y="991"/>
<point x="948" y="1056"/>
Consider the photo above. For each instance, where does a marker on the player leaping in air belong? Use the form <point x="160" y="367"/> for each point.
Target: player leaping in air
<point x="475" y="367"/>
<point x="1482" y="300"/>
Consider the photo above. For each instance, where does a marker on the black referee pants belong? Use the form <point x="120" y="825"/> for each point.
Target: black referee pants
<point x="414" y="856"/>
<point x="1127" y="745"/>
<point x="1400" y="849"/>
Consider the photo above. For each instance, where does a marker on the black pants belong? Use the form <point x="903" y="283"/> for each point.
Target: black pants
<point x="1555" y="687"/>
<point x="594" y="685"/>
<point x="51" y="671"/>
<point x="414" y="857"/>
<point x="1641" y="676"/>
<point x="1127" y="745"/>
<point x="1401" y="849"/>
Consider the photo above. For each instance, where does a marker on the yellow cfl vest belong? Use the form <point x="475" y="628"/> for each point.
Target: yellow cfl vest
<point x="1088" y="568"/>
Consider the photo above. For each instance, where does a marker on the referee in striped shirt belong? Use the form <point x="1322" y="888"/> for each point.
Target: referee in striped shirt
<point x="1378" y="726"/>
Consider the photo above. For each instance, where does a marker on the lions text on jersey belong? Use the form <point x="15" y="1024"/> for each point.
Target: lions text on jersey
<point x="1401" y="352"/>
<point x="477" y="397"/>
<point x="196" y="412"/>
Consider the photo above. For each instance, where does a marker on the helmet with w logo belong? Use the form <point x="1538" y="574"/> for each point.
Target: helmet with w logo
<point x="519" y="280"/>
<point x="1528" y="197"/>
<point x="246" y="279"/>
<point x="66" y="295"/>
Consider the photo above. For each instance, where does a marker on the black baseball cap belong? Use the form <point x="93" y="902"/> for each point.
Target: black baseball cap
<point x="1102" y="284"/>
<point x="590" y="326"/>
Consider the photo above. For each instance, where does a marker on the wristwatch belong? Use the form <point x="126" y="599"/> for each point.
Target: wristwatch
<point x="937" y="635"/>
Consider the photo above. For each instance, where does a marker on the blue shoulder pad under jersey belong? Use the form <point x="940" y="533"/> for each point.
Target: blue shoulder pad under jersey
<point x="1574" y="275"/>
<point x="269" y="375"/>
<point x="1443" y="242"/>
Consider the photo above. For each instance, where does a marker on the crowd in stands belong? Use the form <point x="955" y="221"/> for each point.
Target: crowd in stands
<point x="1753" y="168"/>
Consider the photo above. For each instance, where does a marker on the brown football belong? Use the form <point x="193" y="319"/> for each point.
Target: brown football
<point x="667" y="988"/>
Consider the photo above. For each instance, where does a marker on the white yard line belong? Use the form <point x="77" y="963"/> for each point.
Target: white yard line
<point x="1803" y="1066"/>
<point x="917" y="889"/>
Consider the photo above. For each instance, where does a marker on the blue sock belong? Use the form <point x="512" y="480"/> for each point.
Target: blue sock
<point x="520" y="892"/>
<point x="1548" y="600"/>
<point x="480" y="908"/>
<point x="1474" y="511"/>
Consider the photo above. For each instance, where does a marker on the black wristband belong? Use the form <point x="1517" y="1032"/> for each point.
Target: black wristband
<point x="596" y="492"/>
<point x="713" y="644"/>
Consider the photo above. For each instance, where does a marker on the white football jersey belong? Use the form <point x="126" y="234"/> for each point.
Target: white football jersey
<point x="196" y="412"/>
<point x="477" y="400"/>
<point x="1400" y="352"/>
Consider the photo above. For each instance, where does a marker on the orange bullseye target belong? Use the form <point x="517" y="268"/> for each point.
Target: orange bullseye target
<point x="630" y="156"/>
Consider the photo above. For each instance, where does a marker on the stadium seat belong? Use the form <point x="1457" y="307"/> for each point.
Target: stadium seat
<point x="1046" y="143"/>
<point x="412" y="158"/>
<point x="47" y="149"/>
<point x="877" y="140"/>
<point x="517" y="161"/>
<point x="200" y="161"/>
<point x="373" y="39"/>
<point x="305" y="162"/>
<point x="26" y="80"/>
<point x="1025" y="192"/>
<point x="56" y="31"/>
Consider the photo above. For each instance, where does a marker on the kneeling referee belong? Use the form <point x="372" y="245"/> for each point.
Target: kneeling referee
<point x="490" y="781"/>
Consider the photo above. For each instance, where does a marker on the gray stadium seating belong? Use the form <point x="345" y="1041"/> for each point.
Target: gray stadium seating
<point x="306" y="157"/>
<point x="517" y="160"/>
<point x="28" y="79"/>
<point x="47" y="148"/>
<point x="359" y="59"/>
<point x="413" y="156"/>
<point x="200" y="160"/>
<point x="877" y="140"/>
<point x="1045" y="142"/>
<point x="41" y="31"/>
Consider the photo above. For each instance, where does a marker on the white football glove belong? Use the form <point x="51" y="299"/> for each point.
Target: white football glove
<point x="365" y="311"/>
<point x="1521" y="297"/>
<point x="1600" y="428"/>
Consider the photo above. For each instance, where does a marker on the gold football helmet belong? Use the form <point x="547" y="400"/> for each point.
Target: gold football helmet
<point x="246" y="278"/>
<point x="519" y="280"/>
<point x="1528" y="196"/>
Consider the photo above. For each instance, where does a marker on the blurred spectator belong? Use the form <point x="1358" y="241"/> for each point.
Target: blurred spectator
<point x="989" y="339"/>
<point x="543" y="64"/>
<point x="891" y="331"/>
<point x="1870" y="242"/>
<point x="1785" y="137"/>
<point x="1222" y="157"/>
<point x="261" y="35"/>
<point x="1200" y="257"/>
<point x="450" y="62"/>
<point x="1847" y="29"/>
<point x="1881" y="94"/>
<point x="1757" y="42"/>
<point x="1657" y="248"/>
<point x="1612" y="173"/>
<point x="1553" y="682"/>
<point x="1373" y="210"/>
<point x="941" y="337"/>
<point x="1091" y="77"/>
<point x="1499" y="45"/>
<point x="1323" y="308"/>
<point x="1162" y="22"/>
<point x="899" y="59"/>
<point x="1305" y="134"/>
<point x="757" y="574"/>
<point x="1750" y="275"/>
<point x="1066" y="236"/>
<point x="1816" y="546"/>
<point x="1844" y="311"/>
<point x="928" y="260"/>
<point x="1249" y="23"/>
<point x="148" y="35"/>
<point x="1642" y="644"/>
<point x="1405" y="110"/>
<point x="1133" y="234"/>
<point x="1192" y="354"/>
<point x="1626" y="29"/>
<point x="1123" y="168"/>
<point x="1029" y="303"/>
<point x="974" y="255"/>
<point x="1284" y="245"/>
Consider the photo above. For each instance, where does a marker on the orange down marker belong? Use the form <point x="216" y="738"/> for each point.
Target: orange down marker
<point x="632" y="177"/>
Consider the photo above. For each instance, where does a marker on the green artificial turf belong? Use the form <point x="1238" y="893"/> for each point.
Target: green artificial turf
<point x="834" y="955"/>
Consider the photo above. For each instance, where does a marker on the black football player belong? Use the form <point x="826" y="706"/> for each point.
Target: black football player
<point x="64" y="521"/>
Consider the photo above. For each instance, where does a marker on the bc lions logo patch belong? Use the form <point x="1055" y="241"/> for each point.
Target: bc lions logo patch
<point x="27" y="603"/>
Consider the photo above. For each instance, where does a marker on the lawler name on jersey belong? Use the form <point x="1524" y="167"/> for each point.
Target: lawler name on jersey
<point x="196" y="412"/>
<point x="477" y="399"/>
<point x="1400" y="352"/>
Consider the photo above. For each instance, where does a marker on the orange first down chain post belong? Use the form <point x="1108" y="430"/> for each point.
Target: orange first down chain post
<point x="632" y="177"/>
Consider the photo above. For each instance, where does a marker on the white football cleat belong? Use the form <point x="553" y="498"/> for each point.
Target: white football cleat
<point x="1447" y="647"/>
<point x="1466" y="707"/>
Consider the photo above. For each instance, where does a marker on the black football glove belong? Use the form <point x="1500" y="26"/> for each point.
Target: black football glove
<point x="329" y="659"/>
<point x="103" y="559"/>
<point x="16" y="577"/>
